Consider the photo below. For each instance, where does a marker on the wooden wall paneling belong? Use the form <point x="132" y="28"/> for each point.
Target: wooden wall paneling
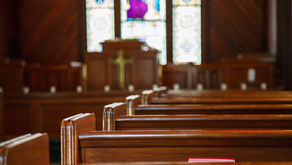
<point x="9" y="29"/>
<point x="49" y="31"/>
<point x="235" y="27"/>
<point x="41" y="77"/>
<point x="1" y="117"/>
<point x="284" y="53"/>
<point x="11" y="76"/>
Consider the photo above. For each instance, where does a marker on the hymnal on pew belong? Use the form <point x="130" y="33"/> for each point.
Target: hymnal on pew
<point x="211" y="160"/>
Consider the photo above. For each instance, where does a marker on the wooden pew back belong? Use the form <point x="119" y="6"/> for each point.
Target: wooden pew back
<point x="110" y="113"/>
<point x="133" y="146"/>
<point x="198" y="122"/>
<point x="172" y="109"/>
<point x="244" y="145"/>
<point x="70" y="129"/>
<point x="25" y="150"/>
<point x="119" y="120"/>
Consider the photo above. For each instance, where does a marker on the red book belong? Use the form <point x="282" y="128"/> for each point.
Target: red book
<point x="211" y="160"/>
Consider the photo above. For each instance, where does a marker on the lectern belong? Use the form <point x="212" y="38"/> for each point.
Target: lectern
<point x="121" y="64"/>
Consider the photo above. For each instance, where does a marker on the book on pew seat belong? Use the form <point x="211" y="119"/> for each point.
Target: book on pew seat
<point x="211" y="160"/>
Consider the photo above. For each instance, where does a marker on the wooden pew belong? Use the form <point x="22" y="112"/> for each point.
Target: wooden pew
<point x="134" y="105"/>
<point x="89" y="146"/>
<point x="172" y="109"/>
<point x="148" y="98"/>
<point x="25" y="150"/>
<point x="43" y="112"/>
<point x="116" y="118"/>
<point x="228" y="93"/>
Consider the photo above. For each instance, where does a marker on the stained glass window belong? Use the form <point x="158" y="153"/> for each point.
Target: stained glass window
<point x="99" y="23"/>
<point x="187" y="31"/>
<point x="145" y="20"/>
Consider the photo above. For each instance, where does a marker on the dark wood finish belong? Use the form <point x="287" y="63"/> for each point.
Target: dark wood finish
<point x="212" y="75"/>
<point x="259" y="100"/>
<point x="41" y="77"/>
<point x="186" y="163"/>
<point x="25" y="150"/>
<point x="1" y="117"/>
<point x="179" y="145"/>
<point x="116" y="118"/>
<point x="240" y="29"/>
<point x="11" y="76"/>
<point x="133" y="146"/>
<point x="43" y="112"/>
<point x="198" y="122"/>
<point x="229" y="94"/>
<point x="226" y="97"/>
<point x="245" y="145"/>
<point x="171" y="109"/>
<point x="9" y="29"/>
<point x="71" y="128"/>
<point x="101" y="71"/>
<point x="45" y="37"/>
<point x="284" y="38"/>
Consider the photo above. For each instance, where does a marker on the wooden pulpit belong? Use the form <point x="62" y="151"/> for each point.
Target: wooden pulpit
<point x="122" y="64"/>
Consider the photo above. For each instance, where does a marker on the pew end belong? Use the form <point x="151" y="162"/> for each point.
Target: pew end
<point x="147" y="96"/>
<point x="131" y="103"/>
<point x="71" y="127"/>
<point x="29" y="149"/>
<point x="110" y="113"/>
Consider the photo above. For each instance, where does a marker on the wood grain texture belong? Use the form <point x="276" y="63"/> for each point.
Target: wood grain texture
<point x="234" y="27"/>
<point x="49" y="31"/>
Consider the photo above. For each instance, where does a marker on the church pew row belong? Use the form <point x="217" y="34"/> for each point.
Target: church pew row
<point x="135" y="105"/>
<point x="43" y="112"/>
<point x="29" y="149"/>
<point x="116" y="118"/>
<point x="227" y="93"/>
<point x="148" y="97"/>
<point x="83" y="144"/>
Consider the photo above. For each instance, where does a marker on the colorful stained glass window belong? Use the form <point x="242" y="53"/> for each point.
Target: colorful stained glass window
<point x="100" y="23"/>
<point x="145" y="20"/>
<point x="187" y="31"/>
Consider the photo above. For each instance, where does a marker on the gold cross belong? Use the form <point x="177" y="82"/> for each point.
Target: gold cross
<point x="121" y="62"/>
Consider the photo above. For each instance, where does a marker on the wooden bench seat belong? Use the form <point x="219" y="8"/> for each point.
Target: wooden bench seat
<point x="25" y="150"/>
<point x="85" y="145"/>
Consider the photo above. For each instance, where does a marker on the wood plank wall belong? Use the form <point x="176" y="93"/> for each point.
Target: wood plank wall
<point x="8" y="28"/>
<point x="49" y="29"/>
<point x="235" y="26"/>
